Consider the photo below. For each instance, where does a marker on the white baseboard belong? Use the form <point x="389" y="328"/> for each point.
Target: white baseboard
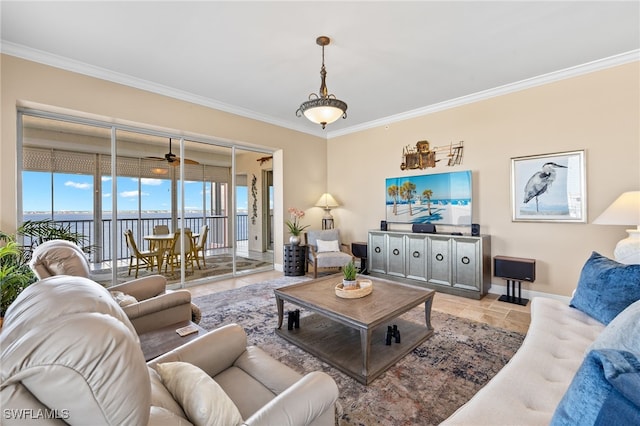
<point x="528" y="294"/>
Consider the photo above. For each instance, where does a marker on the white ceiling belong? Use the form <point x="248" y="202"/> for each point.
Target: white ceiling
<point x="388" y="59"/>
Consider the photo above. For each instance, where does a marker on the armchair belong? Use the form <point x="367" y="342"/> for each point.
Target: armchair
<point x="154" y="306"/>
<point x="330" y="252"/>
<point x="69" y="351"/>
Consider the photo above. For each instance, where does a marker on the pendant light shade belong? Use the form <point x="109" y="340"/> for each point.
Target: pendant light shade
<point x="323" y="108"/>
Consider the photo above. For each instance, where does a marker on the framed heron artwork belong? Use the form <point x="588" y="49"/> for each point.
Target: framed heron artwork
<point x="549" y="187"/>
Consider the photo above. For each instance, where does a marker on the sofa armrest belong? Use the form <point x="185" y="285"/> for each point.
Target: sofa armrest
<point x="159" y="303"/>
<point x="301" y="404"/>
<point x="213" y="352"/>
<point x="143" y="288"/>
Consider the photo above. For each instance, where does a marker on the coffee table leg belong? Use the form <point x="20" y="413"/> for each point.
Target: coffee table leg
<point x="280" y="305"/>
<point x="427" y="312"/>
<point x="365" y="343"/>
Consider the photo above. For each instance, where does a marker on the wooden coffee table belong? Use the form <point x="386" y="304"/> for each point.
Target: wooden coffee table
<point x="157" y="342"/>
<point x="350" y="333"/>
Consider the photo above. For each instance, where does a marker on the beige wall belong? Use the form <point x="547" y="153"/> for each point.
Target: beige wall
<point x="25" y="83"/>
<point x="597" y="112"/>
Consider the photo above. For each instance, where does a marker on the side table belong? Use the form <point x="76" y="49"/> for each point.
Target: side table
<point x="295" y="258"/>
<point x="359" y="250"/>
<point x="162" y="340"/>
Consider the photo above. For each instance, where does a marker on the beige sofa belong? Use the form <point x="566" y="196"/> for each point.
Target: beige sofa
<point x="71" y="355"/>
<point x="578" y="364"/>
<point x="528" y="389"/>
<point x="154" y="306"/>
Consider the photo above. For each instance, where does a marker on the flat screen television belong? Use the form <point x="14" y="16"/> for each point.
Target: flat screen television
<point x="441" y="198"/>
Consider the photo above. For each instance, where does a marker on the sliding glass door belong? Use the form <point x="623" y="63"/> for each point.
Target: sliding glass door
<point x="103" y="180"/>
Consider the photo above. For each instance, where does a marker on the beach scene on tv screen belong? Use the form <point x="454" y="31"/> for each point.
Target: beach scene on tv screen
<point x="441" y="198"/>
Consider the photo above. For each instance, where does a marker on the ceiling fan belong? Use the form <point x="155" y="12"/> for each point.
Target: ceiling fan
<point x="173" y="159"/>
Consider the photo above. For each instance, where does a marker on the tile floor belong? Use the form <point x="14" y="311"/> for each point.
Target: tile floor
<point x="489" y="310"/>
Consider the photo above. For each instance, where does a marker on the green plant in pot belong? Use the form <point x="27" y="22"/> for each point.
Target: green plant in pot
<point x="15" y="273"/>
<point x="349" y="272"/>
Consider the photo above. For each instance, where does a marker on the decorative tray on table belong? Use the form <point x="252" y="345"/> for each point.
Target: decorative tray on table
<point x="361" y="289"/>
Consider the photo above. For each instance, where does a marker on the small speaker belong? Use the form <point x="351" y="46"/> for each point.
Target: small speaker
<point x="424" y="228"/>
<point x="514" y="268"/>
<point x="475" y="229"/>
<point x="383" y="225"/>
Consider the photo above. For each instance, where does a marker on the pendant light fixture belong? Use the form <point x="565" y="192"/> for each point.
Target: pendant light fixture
<point x="323" y="108"/>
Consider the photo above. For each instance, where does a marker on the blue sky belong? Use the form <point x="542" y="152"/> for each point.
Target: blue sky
<point x="75" y="193"/>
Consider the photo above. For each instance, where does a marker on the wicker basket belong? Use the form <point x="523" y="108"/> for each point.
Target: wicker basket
<point x="363" y="288"/>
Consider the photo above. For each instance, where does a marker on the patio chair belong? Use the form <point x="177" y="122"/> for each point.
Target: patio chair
<point x="147" y="258"/>
<point x="330" y="252"/>
<point x="161" y="229"/>
<point x="201" y="246"/>
<point x="173" y="256"/>
<point x="158" y="230"/>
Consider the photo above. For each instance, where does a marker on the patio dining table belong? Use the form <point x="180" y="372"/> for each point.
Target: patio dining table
<point x="162" y="243"/>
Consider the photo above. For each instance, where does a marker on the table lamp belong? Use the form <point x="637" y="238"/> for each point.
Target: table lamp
<point x="327" y="202"/>
<point x="625" y="210"/>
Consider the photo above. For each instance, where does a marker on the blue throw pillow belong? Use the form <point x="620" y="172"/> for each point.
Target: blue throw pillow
<point x="606" y="288"/>
<point x="604" y="391"/>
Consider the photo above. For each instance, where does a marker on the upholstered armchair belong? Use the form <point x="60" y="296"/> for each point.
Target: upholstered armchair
<point x="326" y="250"/>
<point x="149" y="305"/>
<point x="70" y="353"/>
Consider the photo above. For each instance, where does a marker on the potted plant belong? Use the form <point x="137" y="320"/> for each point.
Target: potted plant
<point x="15" y="273"/>
<point x="295" y="229"/>
<point x="349" y="271"/>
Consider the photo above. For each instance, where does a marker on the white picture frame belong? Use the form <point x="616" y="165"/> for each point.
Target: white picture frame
<point x="549" y="188"/>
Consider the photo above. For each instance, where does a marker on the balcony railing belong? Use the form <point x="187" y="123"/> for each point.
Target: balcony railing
<point x="98" y="243"/>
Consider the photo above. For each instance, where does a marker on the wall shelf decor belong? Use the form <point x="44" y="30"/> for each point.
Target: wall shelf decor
<point x="254" y="197"/>
<point x="422" y="156"/>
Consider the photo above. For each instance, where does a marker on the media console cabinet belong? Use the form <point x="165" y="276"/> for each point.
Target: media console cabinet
<point x="459" y="265"/>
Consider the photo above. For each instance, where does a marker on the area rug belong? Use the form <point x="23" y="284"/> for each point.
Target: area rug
<point x="219" y="264"/>
<point x="423" y="388"/>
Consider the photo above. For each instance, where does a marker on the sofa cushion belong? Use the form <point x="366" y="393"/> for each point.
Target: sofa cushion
<point x="206" y="406"/>
<point x="161" y="397"/>
<point x="328" y="246"/>
<point x="605" y="390"/>
<point x="123" y="299"/>
<point x="623" y="333"/>
<point x="606" y="288"/>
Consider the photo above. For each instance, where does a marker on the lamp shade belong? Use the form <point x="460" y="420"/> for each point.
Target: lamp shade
<point x="625" y="210"/>
<point x="320" y="114"/>
<point x="326" y="201"/>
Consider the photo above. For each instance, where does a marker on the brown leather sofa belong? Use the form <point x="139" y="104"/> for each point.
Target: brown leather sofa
<point x="70" y="355"/>
<point x="154" y="306"/>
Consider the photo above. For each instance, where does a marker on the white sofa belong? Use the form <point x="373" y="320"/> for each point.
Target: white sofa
<point x="528" y="389"/>
<point x="578" y="364"/>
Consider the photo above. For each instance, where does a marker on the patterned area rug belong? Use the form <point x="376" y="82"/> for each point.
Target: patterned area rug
<point x="215" y="265"/>
<point x="423" y="388"/>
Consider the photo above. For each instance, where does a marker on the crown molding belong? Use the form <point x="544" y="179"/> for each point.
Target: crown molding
<point x="57" y="61"/>
<point x="600" y="64"/>
<point x="79" y="67"/>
